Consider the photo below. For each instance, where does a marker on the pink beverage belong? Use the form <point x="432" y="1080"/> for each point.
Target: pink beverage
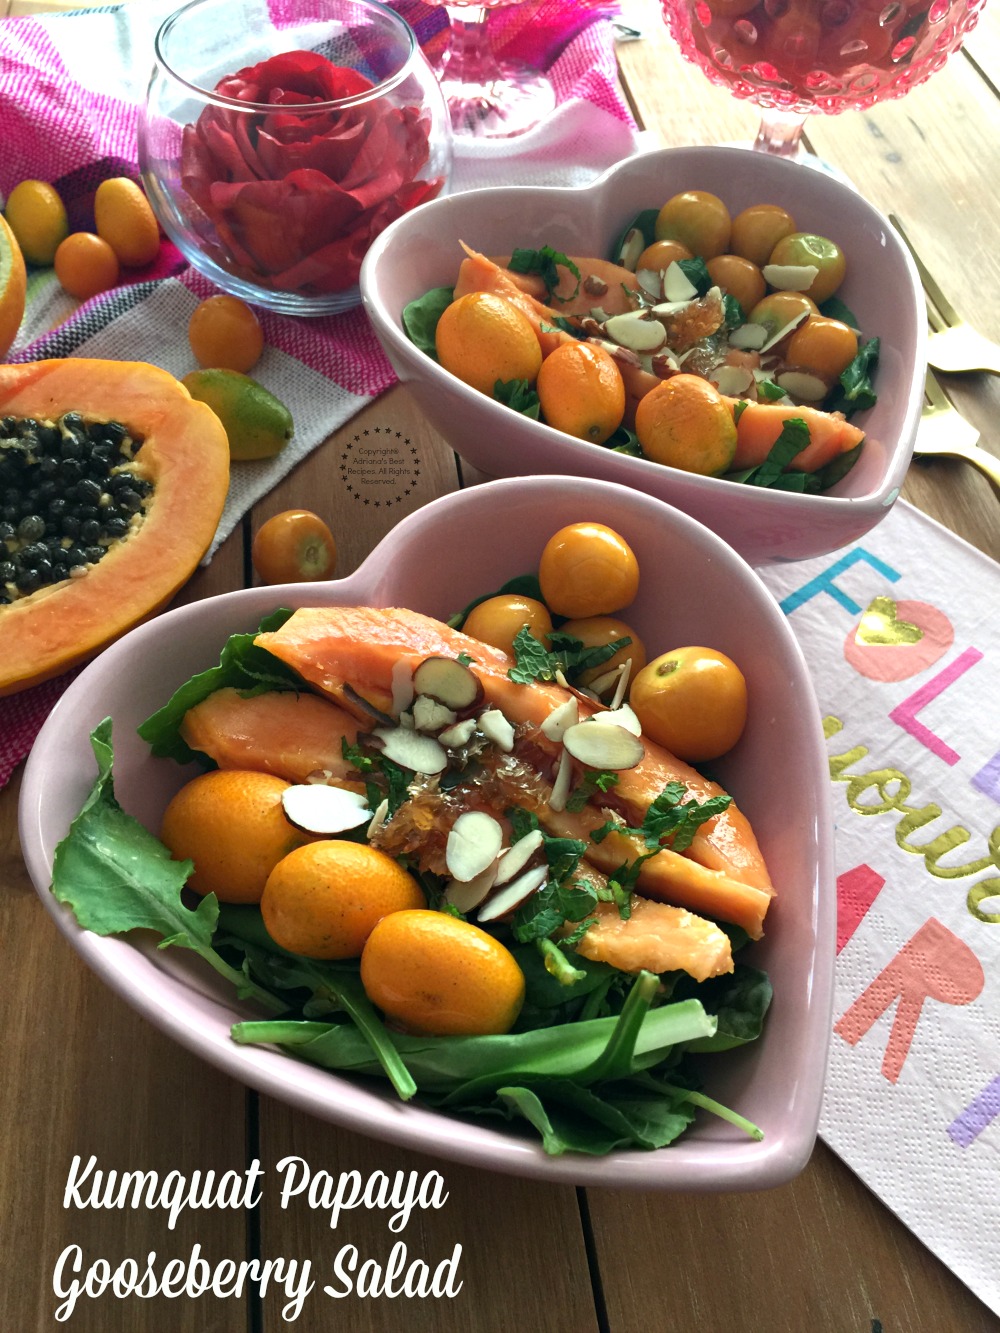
<point x="819" y="55"/>
<point x="473" y="4"/>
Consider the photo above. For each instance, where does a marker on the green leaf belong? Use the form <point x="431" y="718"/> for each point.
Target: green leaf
<point x="460" y="1070"/>
<point x="839" y="467"/>
<point x="739" y="1001"/>
<point x="533" y="661"/>
<point x="593" y="783"/>
<point x="331" y="985"/>
<point x="697" y="274"/>
<point x="739" y="409"/>
<point x="769" y="392"/>
<point x="733" y="313"/>
<point x="522" y="585"/>
<point x="546" y="262"/>
<point x="645" y="223"/>
<point x="118" y="878"/>
<point x="420" y="317"/>
<point x="242" y="666"/>
<point x="793" y="439"/>
<point x="519" y="395"/>
<point x="854" y="392"/>
<point x="834" y="308"/>
<point x="624" y="441"/>
<point x="669" y="819"/>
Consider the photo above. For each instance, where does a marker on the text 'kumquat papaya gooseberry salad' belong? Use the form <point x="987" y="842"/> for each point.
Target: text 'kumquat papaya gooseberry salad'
<point x="473" y="858"/>
<point x="709" y="343"/>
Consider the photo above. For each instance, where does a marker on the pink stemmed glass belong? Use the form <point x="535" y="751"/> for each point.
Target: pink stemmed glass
<point x="799" y="57"/>
<point x="488" y="98"/>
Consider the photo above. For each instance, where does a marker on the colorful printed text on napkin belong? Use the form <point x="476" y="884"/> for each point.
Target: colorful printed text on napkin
<point x="903" y="638"/>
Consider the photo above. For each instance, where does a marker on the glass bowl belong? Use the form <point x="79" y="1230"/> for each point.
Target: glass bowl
<point x="280" y="137"/>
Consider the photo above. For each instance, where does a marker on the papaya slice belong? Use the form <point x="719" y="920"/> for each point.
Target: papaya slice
<point x="601" y="284"/>
<point x="290" y="735"/>
<point x="723" y="873"/>
<point x="182" y="464"/>
<point x="760" y="424"/>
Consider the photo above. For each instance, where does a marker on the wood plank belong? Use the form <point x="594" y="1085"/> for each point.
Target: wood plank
<point x="523" y="1262"/>
<point x="84" y="1074"/>
<point x="821" y="1253"/>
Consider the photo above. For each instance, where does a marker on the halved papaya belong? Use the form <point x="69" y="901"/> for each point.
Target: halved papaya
<point x="182" y="467"/>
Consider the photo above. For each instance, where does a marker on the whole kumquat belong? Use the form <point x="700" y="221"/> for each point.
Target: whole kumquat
<point x="587" y="569"/>
<point x="582" y="391"/>
<point x="86" y="265"/>
<point x="483" y="338"/>
<point x="325" y="899"/>
<point x="232" y="825"/>
<point x="692" y="701"/>
<point x="436" y="974"/>
<point x="687" y="424"/>
<point x="498" y="620"/>
<point x="37" y="217"/>
<point x="225" y="334"/>
<point x="126" y="221"/>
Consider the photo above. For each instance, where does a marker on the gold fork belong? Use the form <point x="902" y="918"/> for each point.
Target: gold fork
<point x="943" y="430"/>
<point x="953" y="346"/>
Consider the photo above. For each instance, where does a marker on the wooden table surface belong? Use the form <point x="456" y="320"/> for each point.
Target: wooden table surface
<point x="85" y="1075"/>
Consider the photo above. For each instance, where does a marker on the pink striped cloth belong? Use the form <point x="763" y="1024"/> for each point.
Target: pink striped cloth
<point x="58" y="123"/>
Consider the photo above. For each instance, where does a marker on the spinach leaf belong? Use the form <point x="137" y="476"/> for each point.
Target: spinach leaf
<point x="522" y="585"/>
<point x="834" y="308"/>
<point x="739" y="1001"/>
<point x="519" y="395"/>
<point x="697" y="274"/>
<point x="793" y="439"/>
<point x="118" y="878"/>
<point x="624" y="441"/>
<point x="420" y="317"/>
<point x="242" y="666"/>
<point x="854" y="391"/>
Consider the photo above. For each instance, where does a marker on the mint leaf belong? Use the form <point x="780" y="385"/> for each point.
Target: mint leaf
<point x="533" y="661"/>
<point x="593" y="782"/>
<point x="769" y="392"/>
<point x="546" y="262"/>
<point x="793" y="439"/>
<point x="669" y="819"/>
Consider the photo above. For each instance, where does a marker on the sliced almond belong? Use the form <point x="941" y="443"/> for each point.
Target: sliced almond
<point x="474" y="843"/>
<point x="623" y="716"/>
<point x="449" y="681"/>
<point x="801" y="384"/>
<point x="622" y="687"/>
<point x="402" y="687"/>
<point x="323" y="810"/>
<point x="632" y="246"/>
<point x="651" y="282"/>
<point x="748" y="337"/>
<point x="517" y="856"/>
<point x="604" y="747"/>
<point x="497" y="729"/>
<point x="594" y="286"/>
<point x="733" y="381"/>
<point x="458" y="735"/>
<point x="670" y="308"/>
<point x="786" y="329"/>
<point x="379" y="819"/>
<point x="412" y="749"/>
<point x="636" y="332"/>
<point x="559" y="794"/>
<point x="790" y="277"/>
<point x="677" y="286"/>
<point x="431" y="715"/>
<point x="512" y="895"/>
<point x="470" y="893"/>
<point x="562" y="716"/>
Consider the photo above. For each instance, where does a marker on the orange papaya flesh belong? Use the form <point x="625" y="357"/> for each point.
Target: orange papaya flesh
<point x="760" y="424"/>
<point x="657" y="938"/>
<point x="332" y="647"/>
<point x="293" y="736"/>
<point x="477" y="273"/>
<point x="601" y="284"/>
<point x="184" y="455"/>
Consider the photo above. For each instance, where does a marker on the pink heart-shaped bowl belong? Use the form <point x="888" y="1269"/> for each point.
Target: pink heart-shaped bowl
<point x="422" y="251"/>
<point x="694" y="589"/>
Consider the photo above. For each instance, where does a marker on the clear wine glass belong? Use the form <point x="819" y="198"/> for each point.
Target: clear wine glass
<point x="488" y="98"/>
<point x="795" y="58"/>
